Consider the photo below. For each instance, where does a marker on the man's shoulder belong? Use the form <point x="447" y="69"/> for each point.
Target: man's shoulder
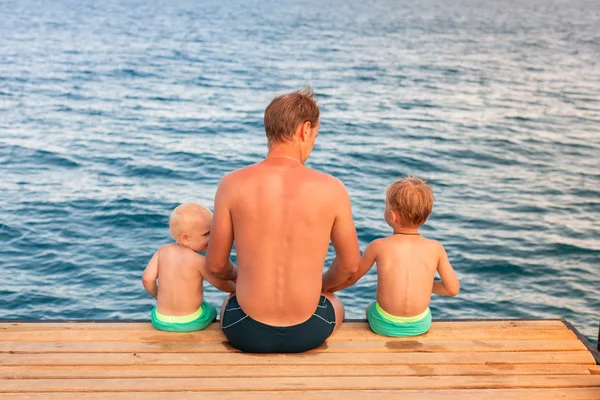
<point x="232" y="179"/>
<point x="327" y="181"/>
<point x="238" y="174"/>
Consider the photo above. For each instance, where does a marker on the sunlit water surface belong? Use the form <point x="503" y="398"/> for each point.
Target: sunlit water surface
<point x="112" y="113"/>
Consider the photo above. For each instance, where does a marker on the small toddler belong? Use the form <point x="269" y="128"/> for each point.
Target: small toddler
<point x="180" y="272"/>
<point x="406" y="264"/>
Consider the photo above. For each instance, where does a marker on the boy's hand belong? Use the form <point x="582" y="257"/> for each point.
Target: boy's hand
<point x="151" y="275"/>
<point x="448" y="285"/>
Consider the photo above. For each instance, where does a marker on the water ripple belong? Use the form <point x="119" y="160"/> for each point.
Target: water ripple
<point x="114" y="112"/>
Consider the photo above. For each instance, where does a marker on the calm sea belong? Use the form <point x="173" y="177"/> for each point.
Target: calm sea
<point x="113" y="112"/>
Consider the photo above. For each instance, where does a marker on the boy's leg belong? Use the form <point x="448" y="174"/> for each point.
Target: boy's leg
<point x="224" y="306"/>
<point x="338" y="307"/>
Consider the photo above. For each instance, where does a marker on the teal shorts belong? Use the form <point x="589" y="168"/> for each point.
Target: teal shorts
<point x="197" y="321"/>
<point x="386" y="324"/>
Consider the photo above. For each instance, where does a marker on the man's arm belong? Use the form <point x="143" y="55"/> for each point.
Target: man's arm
<point x="227" y="286"/>
<point x="221" y="237"/>
<point x="150" y="276"/>
<point x="448" y="285"/>
<point x="345" y="243"/>
<point x="366" y="262"/>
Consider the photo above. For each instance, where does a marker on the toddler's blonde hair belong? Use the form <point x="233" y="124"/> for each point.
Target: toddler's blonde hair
<point x="184" y="215"/>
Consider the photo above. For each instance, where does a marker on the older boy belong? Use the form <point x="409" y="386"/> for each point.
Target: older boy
<point x="406" y="264"/>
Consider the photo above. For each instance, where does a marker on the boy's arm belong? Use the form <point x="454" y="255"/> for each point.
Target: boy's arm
<point x="150" y="276"/>
<point x="448" y="285"/>
<point x="366" y="262"/>
<point x="345" y="243"/>
<point x="218" y="263"/>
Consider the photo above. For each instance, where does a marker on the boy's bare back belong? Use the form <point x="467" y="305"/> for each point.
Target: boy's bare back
<point x="406" y="267"/>
<point x="180" y="280"/>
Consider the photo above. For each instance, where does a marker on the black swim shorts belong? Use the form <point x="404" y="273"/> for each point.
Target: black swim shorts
<point x="251" y="336"/>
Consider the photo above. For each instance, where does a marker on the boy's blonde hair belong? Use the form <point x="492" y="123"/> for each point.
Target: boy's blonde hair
<point x="412" y="199"/>
<point x="184" y="215"/>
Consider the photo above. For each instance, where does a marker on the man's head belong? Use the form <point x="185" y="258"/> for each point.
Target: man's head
<point x="409" y="202"/>
<point x="293" y="117"/>
<point x="190" y="225"/>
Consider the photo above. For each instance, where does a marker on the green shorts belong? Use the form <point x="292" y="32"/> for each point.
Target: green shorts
<point x="197" y="321"/>
<point x="386" y="324"/>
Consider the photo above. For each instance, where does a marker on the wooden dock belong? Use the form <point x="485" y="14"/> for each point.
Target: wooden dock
<point x="483" y="360"/>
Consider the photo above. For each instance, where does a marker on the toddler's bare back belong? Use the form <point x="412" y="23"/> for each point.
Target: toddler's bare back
<point x="180" y="289"/>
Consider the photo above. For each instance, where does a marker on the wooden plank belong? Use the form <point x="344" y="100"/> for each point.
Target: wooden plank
<point x="297" y="383"/>
<point x="136" y="326"/>
<point x="215" y="335"/>
<point x="391" y="346"/>
<point x="562" y="357"/>
<point x="232" y="371"/>
<point x="458" y="394"/>
<point x="595" y="370"/>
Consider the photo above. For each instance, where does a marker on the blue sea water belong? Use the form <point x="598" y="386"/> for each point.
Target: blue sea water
<point x="113" y="112"/>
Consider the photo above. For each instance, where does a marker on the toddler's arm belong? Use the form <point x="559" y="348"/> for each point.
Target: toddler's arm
<point x="366" y="262"/>
<point x="151" y="275"/>
<point x="448" y="285"/>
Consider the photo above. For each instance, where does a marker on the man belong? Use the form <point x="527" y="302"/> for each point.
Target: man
<point x="283" y="216"/>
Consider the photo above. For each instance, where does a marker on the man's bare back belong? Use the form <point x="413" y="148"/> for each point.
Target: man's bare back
<point x="282" y="215"/>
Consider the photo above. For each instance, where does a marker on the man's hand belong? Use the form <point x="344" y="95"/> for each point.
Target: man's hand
<point x="366" y="262"/>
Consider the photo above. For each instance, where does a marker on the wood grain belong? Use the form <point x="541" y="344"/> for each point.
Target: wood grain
<point x="487" y="360"/>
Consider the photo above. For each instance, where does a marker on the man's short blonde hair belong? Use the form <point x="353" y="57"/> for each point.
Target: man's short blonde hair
<point x="286" y="112"/>
<point x="412" y="199"/>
